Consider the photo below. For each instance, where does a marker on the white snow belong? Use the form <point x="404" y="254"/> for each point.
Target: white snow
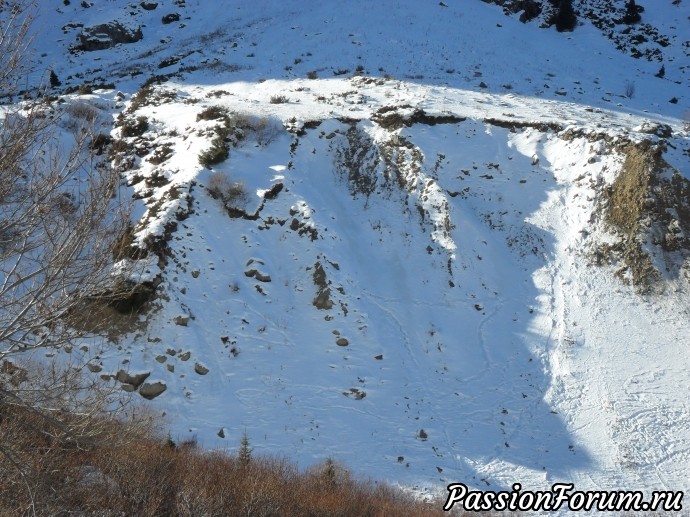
<point x="488" y="347"/>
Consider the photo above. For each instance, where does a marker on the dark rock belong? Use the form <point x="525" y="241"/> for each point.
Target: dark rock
<point x="181" y="320"/>
<point x="323" y="300"/>
<point x="653" y="128"/>
<point x="106" y="35"/>
<point x="133" y="380"/>
<point x="152" y="390"/>
<point x="262" y="278"/>
<point x="273" y="192"/>
<point x="170" y="18"/>
<point x="200" y="369"/>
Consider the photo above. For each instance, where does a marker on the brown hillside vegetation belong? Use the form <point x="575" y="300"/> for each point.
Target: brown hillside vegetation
<point x="86" y="461"/>
<point x="648" y="201"/>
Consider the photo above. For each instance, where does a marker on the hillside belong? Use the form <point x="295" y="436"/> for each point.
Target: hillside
<point x="444" y="245"/>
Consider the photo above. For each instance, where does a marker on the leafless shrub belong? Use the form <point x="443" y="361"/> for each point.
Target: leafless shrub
<point x="59" y="218"/>
<point x="134" y="127"/>
<point x="82" y="111"/>
<point x="16" y="19"/>
<point x="232" y="194"/>
<point x="212" y="113"/>
<point x="54" y="418"/>
<point x="278" y="99"/>
<point x="629" y="90"/>
<point x="90" y="459"/>
<point x="265" y="130"/>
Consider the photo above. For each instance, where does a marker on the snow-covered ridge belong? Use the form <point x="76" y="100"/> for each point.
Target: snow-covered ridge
<point x="426" y="268"/>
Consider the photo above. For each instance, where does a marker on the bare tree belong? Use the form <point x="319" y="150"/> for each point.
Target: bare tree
<point x="59" y="210"/>
<point x="60" y="217"/>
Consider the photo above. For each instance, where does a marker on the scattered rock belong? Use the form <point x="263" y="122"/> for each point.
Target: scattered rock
<point x="170" y="18"/>
<point x="323" y="299"/>
<point x="185" y="356"/>
<point x="261" y="277"/>
<point x="221" y="433"/>
<point x="355" y="393"/>
<point x="195" y="273"/>
<point x="134" y="380"/>
<point x="342" y="341"/>
<point x="181" y="320"/>
<point x="14" y="373"/>
<point x="653" y="128"/>
<point x="152" y="390"/>
<point x="94" y="368"/>
<point x="273" y="192"/>
<point x="148" y="6"/>
<point x="161" y="358"/>
<point x="200" y="369"/>
<point x="379" y="357"/>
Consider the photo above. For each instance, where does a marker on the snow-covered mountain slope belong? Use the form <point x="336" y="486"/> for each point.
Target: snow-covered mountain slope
<point x="459" y="254"/>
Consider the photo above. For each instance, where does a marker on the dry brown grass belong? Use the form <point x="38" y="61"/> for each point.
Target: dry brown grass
<point x="125" y="469"/>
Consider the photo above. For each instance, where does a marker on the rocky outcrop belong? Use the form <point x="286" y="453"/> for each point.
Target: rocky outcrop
<point x="106" y="35"/>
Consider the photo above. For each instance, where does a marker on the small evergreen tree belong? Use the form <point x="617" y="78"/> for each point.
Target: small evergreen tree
<point x="54" y="81"/>
<point x="244" y="455"/>
<point x="661" y="72"/>
<point x="329" y="472"/>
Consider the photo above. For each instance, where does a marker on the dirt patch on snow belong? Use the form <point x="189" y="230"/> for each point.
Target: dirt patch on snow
<point x="648" y="206"/>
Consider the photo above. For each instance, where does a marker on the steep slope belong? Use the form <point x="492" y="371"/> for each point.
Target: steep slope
<point x="424" y="278"/>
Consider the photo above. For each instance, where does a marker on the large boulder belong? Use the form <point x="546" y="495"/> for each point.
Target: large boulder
<point x="133" y="379"/>
<point x="106" y="35"/>
<point x="152" y="390"/>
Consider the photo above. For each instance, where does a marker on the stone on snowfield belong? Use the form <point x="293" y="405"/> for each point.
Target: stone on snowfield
<point x="106" y="35"/>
